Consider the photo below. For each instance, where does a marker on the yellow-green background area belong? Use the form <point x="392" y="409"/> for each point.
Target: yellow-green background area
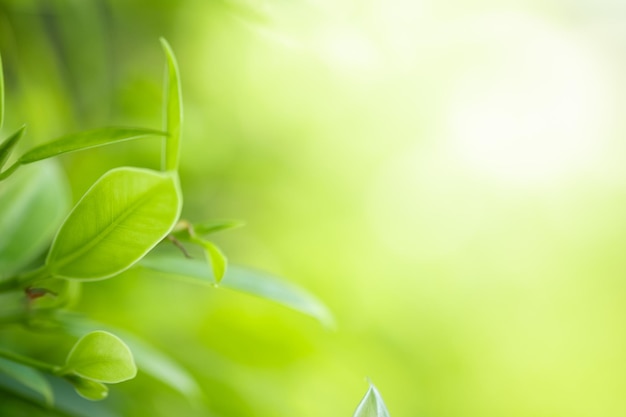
<point x="449" y="177"/>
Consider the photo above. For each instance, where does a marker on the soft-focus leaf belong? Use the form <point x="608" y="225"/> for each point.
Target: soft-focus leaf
<point x="244" y="280"/>
<point x="7" y="146"/>
<point x="172" y="109"/>
<point x="84" y="140"/>
<point x="216" y="226"/>
<point x="148" y="359"/>
<point x="101" y="356"/>
<point x="33" y="204"/>
<point x="122" y="216"/>
<point x="372" y="405"/>
<point x="1" y="94"/>
<point x="216" y="258"/>
<point x="28" y="377"/>
<point x="88" y="389"/>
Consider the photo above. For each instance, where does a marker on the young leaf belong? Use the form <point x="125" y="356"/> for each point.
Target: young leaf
<point x="85" y="140"/>
<point x="371" y="405"/>
<point x="87" y="388"/>
<point x="172" y="109"/>
<point x="28" y="377"/>
<point x="216" y="258"/>
<point x="33" y="204"/>
<point x="102" y="357"/>
<point x="7" y="146"/>
<point x="216" y="226"/>
<point x="120" y="219"/>
<point x="246" y="281"/>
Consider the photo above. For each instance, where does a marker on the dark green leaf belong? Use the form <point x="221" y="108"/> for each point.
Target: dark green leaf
<point x="172" y="109"/>
<point x="120" y="219"/>
<point x="33" y="204"/>
<point x="102" y="357"/>
<point x="28" y="377"/>
<point x="244" y="280"/>
<point x="372" y="405"/>
<point x="7" y="146"/>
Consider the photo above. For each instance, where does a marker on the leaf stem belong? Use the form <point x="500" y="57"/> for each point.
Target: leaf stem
<point x="32" y="276"/>
<point x="33" y="363"/>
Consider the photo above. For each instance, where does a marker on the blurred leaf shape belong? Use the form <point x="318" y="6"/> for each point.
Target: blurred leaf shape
<point x="119" y="219"/>
<point x="7" y="146"/>
<point x="372" y="405"/>
<point x="1" y="94"/>
<point x="172" y="109"/>
<point x="88" y="388"/>
<point x="28" y="377"/>
<point x="102" y="357"/>
<point x="185" y="230"/>
<point x="33" y="204"/>
<point x="244" y="280"/>
<point x="215" y="257"/>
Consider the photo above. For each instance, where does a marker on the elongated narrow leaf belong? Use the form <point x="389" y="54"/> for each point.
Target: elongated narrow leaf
<point x="28" y="377"/>
<point x="244" y="280"/>
<point x="7" y="146"/>
<point x="84" y="140"/>
<point x="120" y="219"/>
<point x="1" y="94"/>
<point x="87" y="388"/>
<point x="185" y="230"/>
<point x="148" y="359"/>
<point x="102" y="357"/>
<point x="33" y="204"/>
<point x="172" y="109"/>
<point x="372" y="405"/>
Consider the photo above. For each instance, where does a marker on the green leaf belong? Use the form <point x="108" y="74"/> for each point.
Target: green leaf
<point x="102" y="357"/>
<point x="7" y="146"/>
<point x="244" y="280"/>
<point x="172" y="109"/>
<point x="148" y="359"/>
<point x="215" y="257"/>
<point x="33" y="204"/>
<point x="372" y="405"/>
<point x="28" y="377"/>
<point x="84" y="140"/>
<point x="185" y="231"/>
<point x="1" y="94"/>
<point x="120" y="219"/>
<point x="87" y="388"/>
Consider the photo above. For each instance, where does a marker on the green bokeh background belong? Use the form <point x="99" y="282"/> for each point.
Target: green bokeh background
<point x="448" y="177"/>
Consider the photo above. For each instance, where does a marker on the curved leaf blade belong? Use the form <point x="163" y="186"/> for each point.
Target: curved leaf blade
<point x="1" y="94"/>
<point x="85" y="140"/>
<point x="88" y="389"/>
<point x="121" y="218"/>
<point x="215" y="257"/>
<point x="102" y="357"/>
<point x="172" y="109"/>
<point x="372" y="405"/>
<point x="7" y="146"/>
<point x="28" y="377"/>
<point x="244" y="280"/>
<point x="33" y="204"/>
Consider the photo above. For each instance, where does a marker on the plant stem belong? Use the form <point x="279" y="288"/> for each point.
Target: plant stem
<point x="32" y="276"/>
<point x="33" y="363"/>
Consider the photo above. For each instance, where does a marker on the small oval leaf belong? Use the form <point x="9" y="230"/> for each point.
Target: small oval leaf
<point x="88" y="389"/>
<point x="28" y="377"/>
<point x="120" y="219"/>
<point x="84" y="140"/>
<point x="372" y="405"/>
<point x="102" y="357"/>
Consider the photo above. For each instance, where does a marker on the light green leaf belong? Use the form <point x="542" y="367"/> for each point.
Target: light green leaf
<point x="185" y="230"/>
<point x="244" y="280"/>
<point x="84" y="140"/>
<point x="215" y="257"/>
<point x="120" y="219"/>
<point x="172" y="109"/>
<point x="88" y="389"/>
<point x="148" y="359"/>
<point x="33" y="204"/>
<point x="372" y="405"/>
<point x="7" y="146"/>
<point x="102" y="357"/>
<point x="28" y="377"/>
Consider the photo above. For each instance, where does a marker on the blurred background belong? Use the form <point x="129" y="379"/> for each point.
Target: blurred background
<point x="449" y="177"/>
